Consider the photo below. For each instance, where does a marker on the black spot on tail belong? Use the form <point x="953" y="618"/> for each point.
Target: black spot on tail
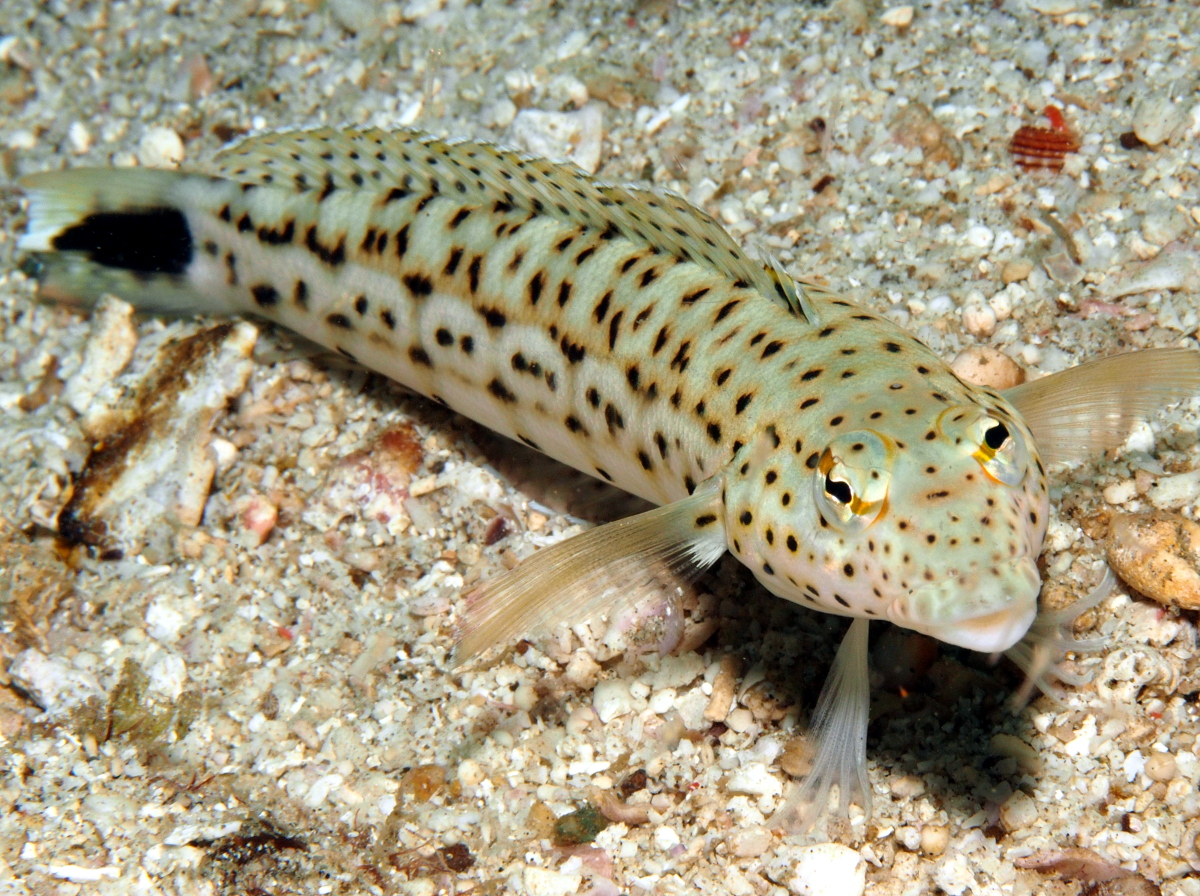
<point x="148" y="241"/>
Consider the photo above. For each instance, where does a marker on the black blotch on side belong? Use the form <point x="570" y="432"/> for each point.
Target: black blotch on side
<point x="419" y="356"/>
<point x="501" y="391"/>
<point x="149" y="241"/>
<point x="265" y="296"/>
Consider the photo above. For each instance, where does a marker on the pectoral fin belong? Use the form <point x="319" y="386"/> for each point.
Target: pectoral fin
<point x="839" y="733"/>
<point x="608" y="570"/>
<point x="1088" y="409"/>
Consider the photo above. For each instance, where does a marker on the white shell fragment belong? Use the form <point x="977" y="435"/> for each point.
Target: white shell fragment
<point x="53" y="683"/>
<point x="1159" y="555"/>
<point x="109" y="348"/>
<point x="1170" y="271"/>
<point x="562" y="136"/>
<point x="829" y="869"/>
<point x="1158" y="116"/>
<point x="153" y="468"/>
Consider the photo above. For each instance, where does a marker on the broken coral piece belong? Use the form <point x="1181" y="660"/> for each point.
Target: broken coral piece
<point x="150" y="469"/>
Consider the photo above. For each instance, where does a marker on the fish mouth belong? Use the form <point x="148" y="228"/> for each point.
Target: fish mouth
<point x="987" y="610"/>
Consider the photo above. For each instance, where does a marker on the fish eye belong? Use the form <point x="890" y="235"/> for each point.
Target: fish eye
<point x="837" y="490"/>
<point x="1000" y="452"/>
<point x="995" y="436"/>
<point x="851" y="480"/>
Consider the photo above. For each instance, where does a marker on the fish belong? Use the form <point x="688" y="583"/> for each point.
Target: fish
<point x="623" y="332"/>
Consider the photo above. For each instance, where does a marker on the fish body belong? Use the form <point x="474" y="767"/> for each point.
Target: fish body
<point x="584" y="335"/>
<point x="622" y="332"/>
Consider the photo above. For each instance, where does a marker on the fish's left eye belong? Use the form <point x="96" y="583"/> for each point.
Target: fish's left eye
<point x="1000" y="452"/>
<point x="995" y="436"/>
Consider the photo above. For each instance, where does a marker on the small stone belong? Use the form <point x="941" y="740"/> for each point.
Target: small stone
<point x="54" y="684"/>
<point x="740" y="720"/>
<point x="665" y="838"/>
<point x="1158" y="554"/>
<point x="470" y="773"/>
<point x="561" y="136"/>
<point x="79" y="139"/>
<point x="934" y="839"/>
<point x="582" y="670"/>
<point x="1120" y="492"/>
<point x="1018" y="811"/>
<point x="167" y="676"/>
<point x="828" y="869"/>
<point x="1160" y="767"/>
<point x="980" y="320"/>
<point x="1157" y="117"/>
<point x="611" y="699"/>
<point x="1015" y="271"/>
<point x="544" y="882"/>
<point x="907" y="787"/>
<point x="754" y="779"/>
<point x="580" y="826"/>
<point x="160" y="148"/>
<point x="749" y="842"/>
<point x="1173" y="492"/>
<point x="420" y="783"/>
<point x="983" y="365"/>
<point x="897" y="16"/>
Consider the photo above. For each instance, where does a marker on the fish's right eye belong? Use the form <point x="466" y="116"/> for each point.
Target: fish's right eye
<point x="838" y="491"/>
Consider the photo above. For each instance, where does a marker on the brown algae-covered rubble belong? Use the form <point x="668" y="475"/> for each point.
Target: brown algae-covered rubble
<point x="231" y="673"/>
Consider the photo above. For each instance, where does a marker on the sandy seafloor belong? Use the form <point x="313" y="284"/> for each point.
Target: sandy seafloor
<point x="320" y="741"/>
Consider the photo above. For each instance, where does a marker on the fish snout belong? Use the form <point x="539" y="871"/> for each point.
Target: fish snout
<point x="987" y="609"/>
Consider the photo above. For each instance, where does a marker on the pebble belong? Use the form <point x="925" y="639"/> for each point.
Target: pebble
<point x="611" y="699"/>
<point x="934" y="839"/>
<point x="1120" y="492"/>
<point x="1160" y="767"/>
<point x="665" y="838"/>
<point x="562" y="136"/>
<point x="753" y="779"/>
<point x="983" y="365"/>
<point x="111" y="341"/>
<point x="1015" y="271"/>
<point x="166" y="676"/>
<point x="52" y="683"/>
<point x="1157" y="117"/>
<point x="897" y="16"/>
<point x="980" y="320"/>
<point x="828" y="869"/>
<point x="470" y="773"/>
<point x="749" y="842"/>
<point x="544" y="882"/>
<point x="1158" y="554"/>
<point x="1173" y="492"/>
<point x="79" y="138"/>
<point x="160" y="148"/>
<point x="1018" y="811"/>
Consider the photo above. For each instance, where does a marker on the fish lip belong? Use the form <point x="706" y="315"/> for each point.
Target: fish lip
<point x="988" y="613"/>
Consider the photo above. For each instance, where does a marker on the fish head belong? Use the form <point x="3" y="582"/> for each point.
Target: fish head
<point x="934" y="524"/>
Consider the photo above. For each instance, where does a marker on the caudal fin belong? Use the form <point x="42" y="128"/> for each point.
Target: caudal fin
<point x="124" y="231"/>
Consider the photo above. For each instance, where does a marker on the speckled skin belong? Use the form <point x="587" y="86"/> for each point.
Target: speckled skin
<point x="592" y="331"/>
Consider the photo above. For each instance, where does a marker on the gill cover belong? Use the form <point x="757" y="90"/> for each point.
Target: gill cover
<point x="852" y="479"/>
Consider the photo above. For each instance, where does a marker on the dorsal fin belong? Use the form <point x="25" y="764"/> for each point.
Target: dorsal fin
<point x="331" y="159"/>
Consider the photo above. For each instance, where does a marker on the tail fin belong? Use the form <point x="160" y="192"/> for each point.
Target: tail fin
<point x="93" y="231"/>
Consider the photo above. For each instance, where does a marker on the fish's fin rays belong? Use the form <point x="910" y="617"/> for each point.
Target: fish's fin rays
<point x="838" y="731"/>
<point x="1085" y="410"/>
<point x="1047" y="643"/>
<point x="609" y="570"/>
